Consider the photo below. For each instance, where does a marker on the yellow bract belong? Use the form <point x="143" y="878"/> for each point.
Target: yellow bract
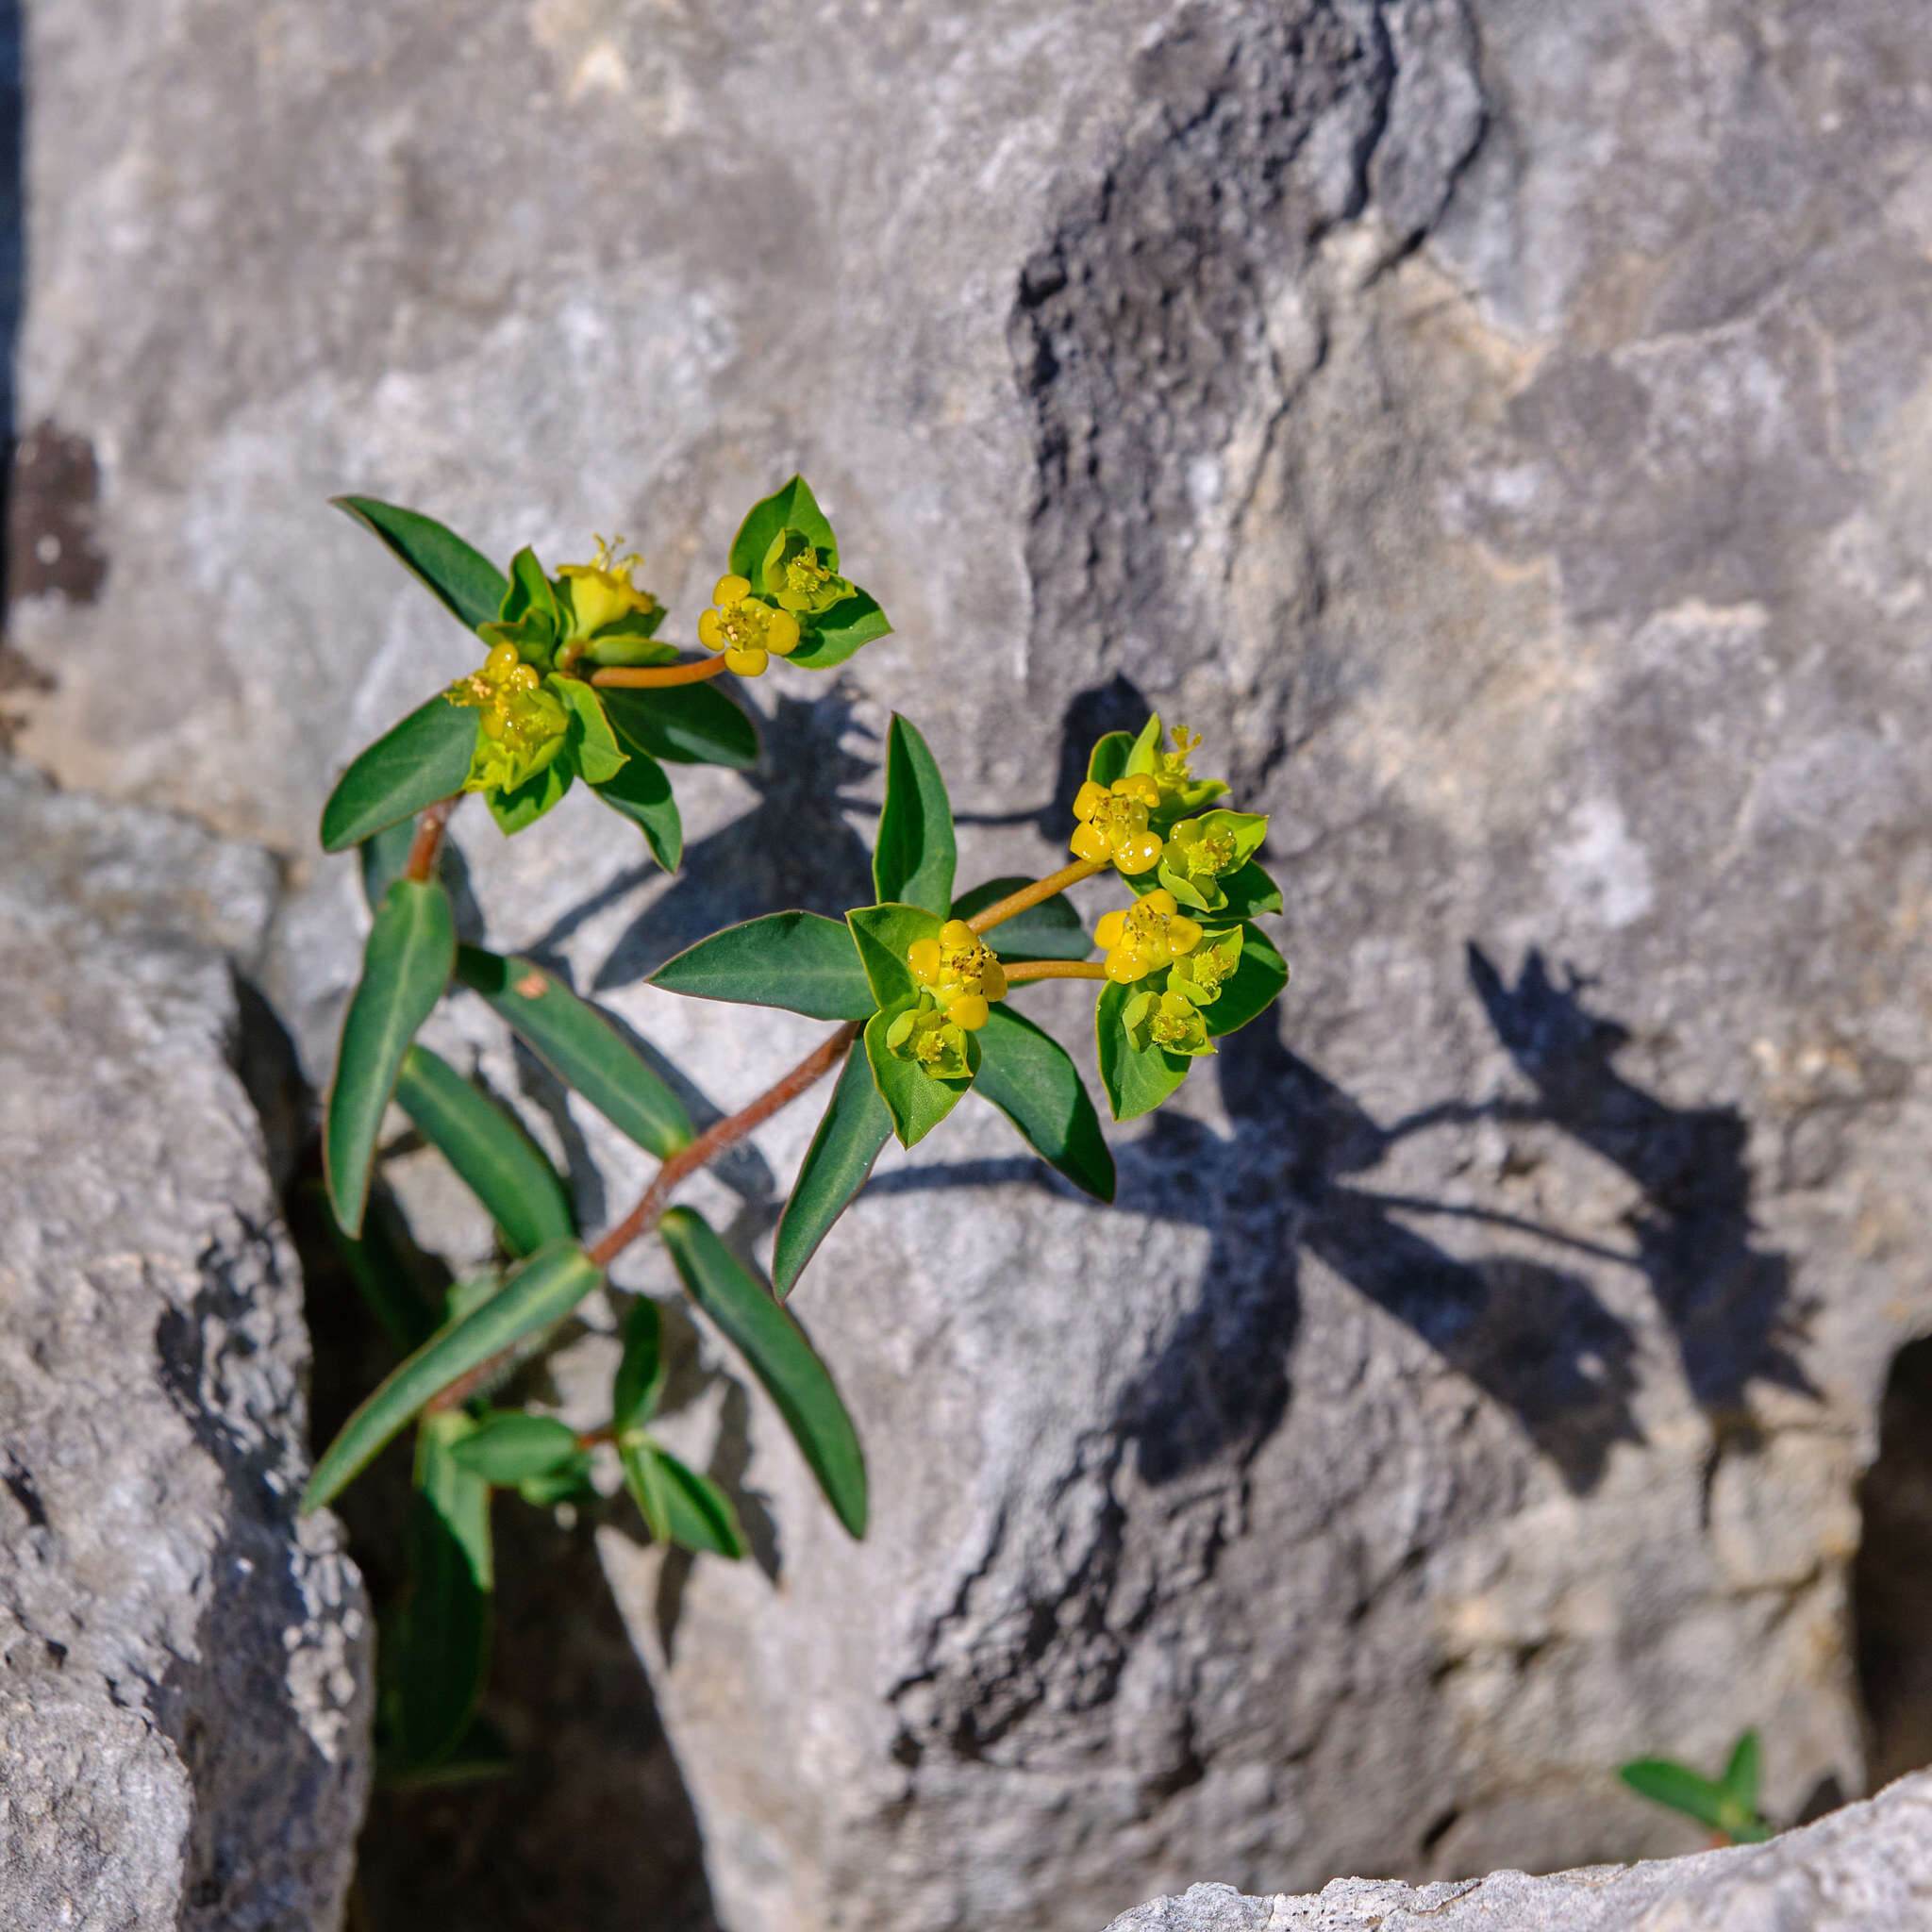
<point x="1151" y="934"/>
<point x="959" y="972"/>
<point x="748" y="631"/>
<point x="603" y="591"/>
<point x="1113" y="823"/>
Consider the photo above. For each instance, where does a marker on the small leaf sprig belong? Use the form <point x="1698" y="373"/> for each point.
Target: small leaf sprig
<point x="576" y="684"/>
<point x="1726" y="1805"/>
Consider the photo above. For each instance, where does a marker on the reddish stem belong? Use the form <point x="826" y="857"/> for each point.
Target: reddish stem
<point x="656" y="676"/>
<point x="426" y="847"/>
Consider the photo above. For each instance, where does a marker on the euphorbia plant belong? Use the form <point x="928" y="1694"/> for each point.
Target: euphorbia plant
<point x="574" y="683"/>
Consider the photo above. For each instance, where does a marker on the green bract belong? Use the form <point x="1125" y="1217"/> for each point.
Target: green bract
<point x="919" y="988"/>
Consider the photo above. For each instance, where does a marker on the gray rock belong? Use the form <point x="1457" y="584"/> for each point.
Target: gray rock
<point x="1504" y="429"/>
<point x="184" y="1695"/>
<point x="1867" y="1868"/>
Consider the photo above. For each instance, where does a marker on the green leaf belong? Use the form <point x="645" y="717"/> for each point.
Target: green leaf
<point x="617" y="645"/>
<point x="469" y="586"/>
<point x="567" y="1478"/>
<point x="642" y="794"/>
<point x="524" y="804"/>
<point x="593" y="746"/>
<point x="405" y="966"/>
<point x="699" y="1514"/>
<point x="1250" y="891"/>
<point x="382" y="858"/>
<point x="913" y="863"/>
<point x="424" y="757"/>
<point x="1051" y="930"/>
<point x="1142" y="753"/>
<point x="529" y="593"/>
<point x="917" y="1102"/>
<point x="884" y="933"/>
<point x="639" y="1378"/>
<point x="1741" y="1773"/>
<point x="1137" y="1080"/>
<point x="856" y="1125"/>
<point x="792" y="507"/>
<point x="644" y="1477"/>
<point x="1028" y="1076"/>
<point x="799" y="960"/>
<point x="539" y="1292"/>
<point x="437" y="1652"/>
<point x="496" y="1160"/>
<point x="582" y="1048"/>
<point x="1249" y="989"/>
<point x="1664" y="1782"/>
<point x="1108" y="759"/>
<point x="513" y="1446"/>
<point x="849" y="624"/>
<point x="683" y="724"/>
<point x="481" y="1752"/>
<point x="779" y="1356"/>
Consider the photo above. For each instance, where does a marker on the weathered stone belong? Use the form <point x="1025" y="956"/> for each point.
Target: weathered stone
<point x="183" y="1665"/>
<point x="1867" y="1868"/>
<point x="1505" y="429"/>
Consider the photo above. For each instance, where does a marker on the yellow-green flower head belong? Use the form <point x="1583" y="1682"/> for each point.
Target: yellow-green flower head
<point x="1199" y="975"/>
<point x="1113" y="823"/>
<point x="524" y="725"/>
<point x="799" y="577"/>
<point x="1152" y="933"/>
<point x="1167" y="1019"/>
<point x="932" y="1042"/>
<point x="603" y="591"/>
<point x="1170" y="773"/>
<point x="1202" y="851"/>
<point x="748" y="629"/>
<point x="959" y="972"/>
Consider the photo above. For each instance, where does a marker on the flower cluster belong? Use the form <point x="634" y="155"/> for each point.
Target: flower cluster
<point x="1156" y="935"/>
<point x="523" y="728"/>
<point x="959" y="972"/>
<point x="748" y="631"/>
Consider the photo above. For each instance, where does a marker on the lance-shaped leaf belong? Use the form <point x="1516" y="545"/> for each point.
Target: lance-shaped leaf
<point x="779" y="1356"/>
<point x="851" y="622"/>
<point x="912" y="862"/>
<point x="916" y="1100"/>
<point x="1137" y="1079"/>
<point x="677" y="1504"/>
<point x="639" y="1377"/>
<point x="799" y="960"/>
<point x="424" y="757"/>
<point x="1028" y="1076"/>
<point x="1249" y="989"/>
<point x="1050" y="930"/>
<point x="582" y="1048"/>
<point x="497" y="1160"/>
<point x="792" y="506"/>
<point x="683" y="724"/>
<point x="644" y="1477"/>
<point x="468" y="584"/>
<point x="514" y="1446"/>
<point x="642" y="794"/>
<point x="541" y="1291"/>
<point x="405" y="966"/>
<point x="1741" y="1773"/>
<point x="885" y="934"/>
<point x="437" y="1652"/>
<point x="856" y="1125"/>
<point x="1683" y="1790"/>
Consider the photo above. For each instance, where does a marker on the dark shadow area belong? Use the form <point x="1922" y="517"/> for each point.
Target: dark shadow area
<point x="590" y="1826"/>
<point x="1891" y="1580"/>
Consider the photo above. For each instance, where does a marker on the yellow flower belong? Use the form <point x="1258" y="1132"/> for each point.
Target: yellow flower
<point x="748" y="631"/>
<point x="935" y="1044"/>
<point x="1113" y="823"/>
<point x="603" y="591"/>
<point x="959" y="973"/>
<point x="1152" y="933"/>
<point x="524" y="725"/>
<point x="1166" y="1020"/>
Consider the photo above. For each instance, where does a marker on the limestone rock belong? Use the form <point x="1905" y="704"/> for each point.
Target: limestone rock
<point x="1505" y="429"/>
<point x="1867" y="1868"/>
<point x="184" y="1697"/>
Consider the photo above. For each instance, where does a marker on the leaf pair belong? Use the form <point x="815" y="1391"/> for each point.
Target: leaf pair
<point x="1728" y="1806"/>
<point x="834" y="624"/>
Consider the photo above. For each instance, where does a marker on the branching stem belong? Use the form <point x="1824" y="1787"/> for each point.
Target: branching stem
<point x="426" y="847"/>
<point x="1015" y="903"/>
<point x="656" y="676"/>
<point x="1052" y="969"/>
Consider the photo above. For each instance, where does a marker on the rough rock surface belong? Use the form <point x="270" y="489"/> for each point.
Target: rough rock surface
<point x="1867" y="1868"/>
<point x="1506" y="429"/>
<point x="184" y="1701"/>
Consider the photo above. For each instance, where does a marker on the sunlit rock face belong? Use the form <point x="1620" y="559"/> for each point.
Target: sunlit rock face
<point x="1503" y="430"/>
